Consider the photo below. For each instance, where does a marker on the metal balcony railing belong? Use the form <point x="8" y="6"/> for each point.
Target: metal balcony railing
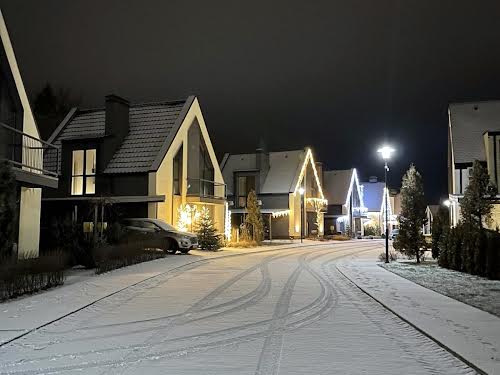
<point x="206" y="189"/>
<point x="26" y="152"/>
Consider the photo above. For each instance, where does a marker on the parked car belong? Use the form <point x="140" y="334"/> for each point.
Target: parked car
<point x="394" y="234"/>
<point x="162" y="235"/>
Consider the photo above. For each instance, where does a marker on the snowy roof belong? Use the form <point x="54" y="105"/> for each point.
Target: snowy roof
<point x="468" y="123"/>
<point x="336" y="185"/>
<point x="284" y="170"/>
<point x="373" y="194"/>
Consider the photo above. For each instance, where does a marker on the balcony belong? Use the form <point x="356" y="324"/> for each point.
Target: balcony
<point x="29" y="157"/>
<point x="205" y="191"/>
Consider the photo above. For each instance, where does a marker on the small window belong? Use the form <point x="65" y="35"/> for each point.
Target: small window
<point x="83" y="172"/>
<point x="244" y="184"/>
<point x="177" y="188"/>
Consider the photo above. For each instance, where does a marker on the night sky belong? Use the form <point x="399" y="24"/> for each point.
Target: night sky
<point x="339" y="76"/>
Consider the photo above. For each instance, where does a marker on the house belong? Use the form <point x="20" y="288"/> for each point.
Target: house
<point x="149" y="160"/>
<point x="431" y="212"/>
<point x="21" y="146"/>
<point x="277" y="178"/>
<point x="345" y="210"/>
<point x="473" y="134"/>
<point x="375" y="195"/>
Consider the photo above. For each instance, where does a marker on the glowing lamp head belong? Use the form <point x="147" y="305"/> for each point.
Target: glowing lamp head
<point x="386" y="152"/>
<point x="301" y="191"/>
<point x="447" y="203"/>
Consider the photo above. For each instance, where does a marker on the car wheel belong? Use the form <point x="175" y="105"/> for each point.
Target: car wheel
<point x="171" y="246"/>
<point x="184" y="251"/>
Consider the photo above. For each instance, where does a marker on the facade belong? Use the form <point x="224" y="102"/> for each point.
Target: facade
<point x="21" y="146"/>
<point x="277" y="178"/>
<point x="473" y="134"/>
<point x="345" y="210"/>
<point x="135" y="160"/>
<point x="374" y="198"/>
<point x="430" y="212"/>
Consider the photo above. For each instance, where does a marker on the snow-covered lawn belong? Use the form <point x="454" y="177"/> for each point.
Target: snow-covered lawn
<point x="472" y="290"/>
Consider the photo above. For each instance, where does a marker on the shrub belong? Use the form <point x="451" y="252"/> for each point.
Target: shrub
<point x="109" y="257"/>
<point x="7" y="208"/>
<point x="393" y="256"/>
<point x="243" y="244"/>
<point x="340" y="237"/>
<point x="30" y="275"/>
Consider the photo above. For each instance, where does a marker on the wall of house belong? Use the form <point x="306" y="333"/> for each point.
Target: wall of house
<point x="161" y="181"/>
<point x="495" y="217"/>
<point x="29" y="222"/>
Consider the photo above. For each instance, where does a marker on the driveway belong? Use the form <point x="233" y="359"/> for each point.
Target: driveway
<point x="287" y="311"/>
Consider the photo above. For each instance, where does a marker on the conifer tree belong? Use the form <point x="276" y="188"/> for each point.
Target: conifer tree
<point x="475" y="206"/>
<point x="7" y="208"/>
<point x="208" y="239"/>
<point x="253" y="219"/>
<point x="410" y="240"/>
<point x="439" y="225"/>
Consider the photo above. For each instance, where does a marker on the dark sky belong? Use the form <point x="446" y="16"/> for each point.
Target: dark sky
<point x="340" y="76"/>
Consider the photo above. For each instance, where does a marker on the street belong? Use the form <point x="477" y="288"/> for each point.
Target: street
<point x="286" y="311"/>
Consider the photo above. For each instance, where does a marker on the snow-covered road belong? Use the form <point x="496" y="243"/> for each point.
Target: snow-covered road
<point x="280" y="312"/>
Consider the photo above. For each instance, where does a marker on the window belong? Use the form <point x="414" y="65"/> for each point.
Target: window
<point x="177" y="189"/>
<point x="206" y="170"/>
<point x="83" y="172"/>
<point x="244" y="185"/>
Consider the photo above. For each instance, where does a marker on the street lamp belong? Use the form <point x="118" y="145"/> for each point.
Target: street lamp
<point x="386" y="152"/>
<point x="301" y="192"/>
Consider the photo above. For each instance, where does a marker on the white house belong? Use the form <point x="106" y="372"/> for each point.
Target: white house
<point x="375" y="196"/>
<point x="21" y="146"/>
<point x="473" y="134"/>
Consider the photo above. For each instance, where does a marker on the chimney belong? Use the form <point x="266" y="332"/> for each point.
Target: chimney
<point x="373" y="179"/>
<point x="116" y="125"/>
<point x="262" y="161"/>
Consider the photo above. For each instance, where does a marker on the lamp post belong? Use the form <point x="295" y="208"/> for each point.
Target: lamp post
<point x="386" y="152"/>
<point x="301" y="192"/>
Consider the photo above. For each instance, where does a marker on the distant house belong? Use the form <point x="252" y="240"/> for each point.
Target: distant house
<point x="374" y="198"/>
<point x="21" y="146"/>
<point x="473" y="134"/>
<point x="345" y="202"/>
<point x="277" y="178"/>
<point x="430" y="212"/>
<point x="135" y="160"/>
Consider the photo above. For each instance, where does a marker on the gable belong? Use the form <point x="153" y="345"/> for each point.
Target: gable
<point x="308" y="161"/>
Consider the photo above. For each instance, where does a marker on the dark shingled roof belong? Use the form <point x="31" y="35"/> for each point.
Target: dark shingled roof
<point x="336" y="185"/>
<point x="149" y="129"/>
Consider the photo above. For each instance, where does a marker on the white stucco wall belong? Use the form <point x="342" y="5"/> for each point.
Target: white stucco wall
<point x="29" y="219"/>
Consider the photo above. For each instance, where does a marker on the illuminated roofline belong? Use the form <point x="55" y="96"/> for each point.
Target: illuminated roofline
<point x="303" y="170"/>
<point x="354" y="178"/>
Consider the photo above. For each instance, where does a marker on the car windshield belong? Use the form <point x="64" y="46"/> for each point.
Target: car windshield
<point x="163" y="225"/>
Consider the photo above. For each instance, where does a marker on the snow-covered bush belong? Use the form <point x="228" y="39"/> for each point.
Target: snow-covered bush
<point x="393" y="256"/>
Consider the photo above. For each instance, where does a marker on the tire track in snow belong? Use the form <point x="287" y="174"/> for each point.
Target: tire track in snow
<point x="205" y="346"/>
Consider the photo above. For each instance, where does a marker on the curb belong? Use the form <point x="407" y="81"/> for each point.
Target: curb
<point x="442" y="345"/>
<point x="31" y="330"/>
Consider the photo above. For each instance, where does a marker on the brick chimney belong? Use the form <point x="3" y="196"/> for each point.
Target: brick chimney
<point x="116" y="125"/>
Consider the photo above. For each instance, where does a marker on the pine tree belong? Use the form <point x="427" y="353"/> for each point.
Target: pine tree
<point x="439" y="225"/>
<point x="253" y="219"/>
<point x="208" y="239"/>
<point x="7" y="209"/>
<point x="475" y="206"/>
<point x="410" y="240"/>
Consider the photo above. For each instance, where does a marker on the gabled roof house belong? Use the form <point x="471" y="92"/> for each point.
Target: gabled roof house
<point x="22" y="148"/>
<point x="473" y="134"/>
<point x="277" y="178"/>
<point x="143" y="160"/>
<point x="375" y="196"/>
<point x="345" y="202"/>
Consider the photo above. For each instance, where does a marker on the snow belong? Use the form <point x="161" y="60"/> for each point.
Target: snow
<point x="472" y="290"/>
<point x="471" y="333"/>
<point x="287" y="310"/>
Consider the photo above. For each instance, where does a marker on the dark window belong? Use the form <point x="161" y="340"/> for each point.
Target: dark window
<point x="244" y="184"/>
<point x="206" y="170"/>
<point x="178" y="172"/>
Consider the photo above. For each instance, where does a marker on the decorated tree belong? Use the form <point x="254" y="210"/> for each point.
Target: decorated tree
<point x="475" y="204"/>
<point x="410" y="240"/>
<point x="208" y="239"/>
<point x="253" y="219"/>
<point x="7" y="208"/>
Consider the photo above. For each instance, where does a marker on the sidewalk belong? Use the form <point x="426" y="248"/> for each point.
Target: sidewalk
<point x="84" y="288"/>
<point x="469" y="332"/>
